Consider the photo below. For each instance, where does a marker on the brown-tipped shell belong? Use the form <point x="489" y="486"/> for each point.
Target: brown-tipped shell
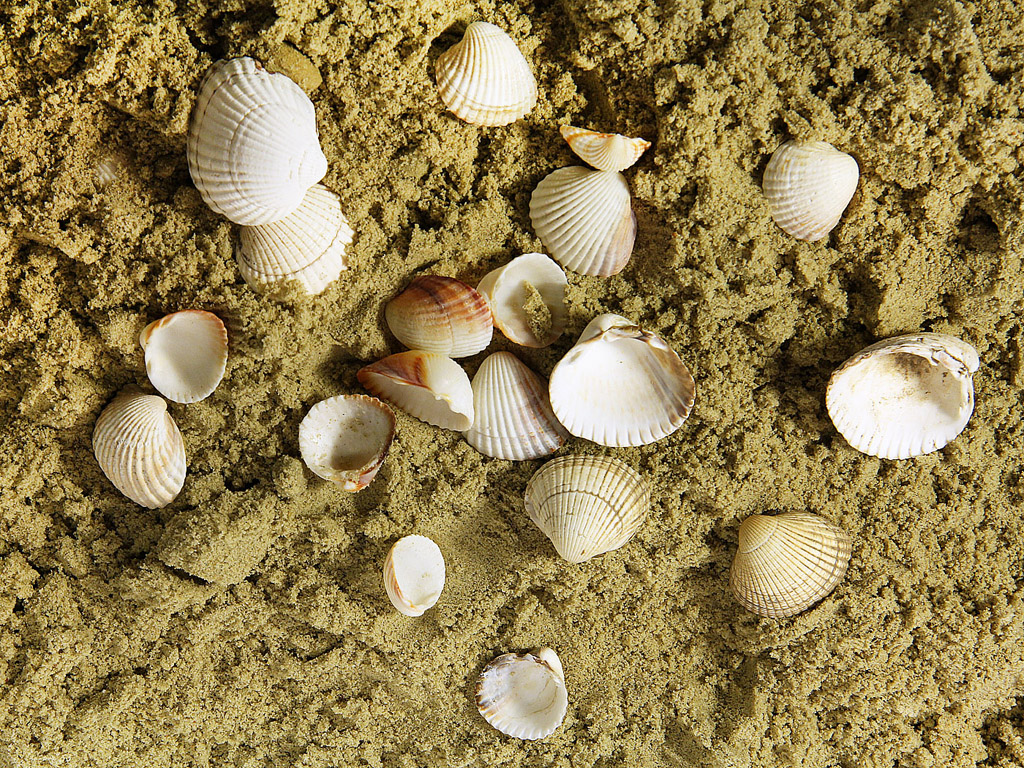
<point x="427" y="385"/>
<point x="345" y="439"/>
<point x="186" y="354"/>
<point x="511" y="288"/>
<point x="523" y="694"/>
<point x="440" y="314"/>
<point x="604" y="151"/>
<point x="414" y="575"/>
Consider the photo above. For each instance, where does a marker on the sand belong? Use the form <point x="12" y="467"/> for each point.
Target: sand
<point x="246" y="625"/>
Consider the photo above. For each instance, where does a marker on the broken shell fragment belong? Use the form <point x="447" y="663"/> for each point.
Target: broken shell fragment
<point x="513" y="291"/>
<point x="186" y="354"/>
<point x="604" y="151"/>
<point x="414" y="575"/>
<point x="440" y="314"/>
<point x="429" y="386"/>
<point x="345" y="439"/>
<point x="523" y="694"/>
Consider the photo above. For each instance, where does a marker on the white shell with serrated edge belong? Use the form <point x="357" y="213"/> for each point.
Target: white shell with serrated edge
<point x="345" y="439"/>
<point x="523" y="694"/>
<point x="604" y="151"/>
<point x="186" y="354"/>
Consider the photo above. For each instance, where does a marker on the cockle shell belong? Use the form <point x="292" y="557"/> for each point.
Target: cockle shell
<point x="585" y="219"/>
<point x="904" y="396"/>
<point x="253" y="149"/>
<point x="604" y="151"/>
<point x="523" y="694"/>
<point x="431" y="387"/>
<point x="808" y="185"/>
<point x="345" y="439"/>
<point x="186" y="354"/>
<point x="786" y="563"/>
<point x="621" y="385"/>
<point x="307" y="245"/>
<point x="510" y="289"/>
<point x="414" y="575"/>
<point x="140" y="450"/>
<point x="587" y="505"/>
<point x="484" y="78"/>
<point x="440" y="314"/>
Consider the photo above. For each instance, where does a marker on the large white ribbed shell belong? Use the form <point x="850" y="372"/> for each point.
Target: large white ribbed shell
<point x="585" y="219"/>
<point x="440" y="314"/>
<point x="523" y="694"/>
<point x="904" y="396"/>
<point x="808" y="185"/>
<point x="509" y="289"/>
<point x="140" y="450"/>
<point x="307" y="245"/>
<point x="604" y="151"/>
<point x="484" y="78"/>
<point x="345" y="439"/>
<point x="253" y="149"/>
<point x="414" y="575"/>
<point x="427" y="385"/>
<point x="186" y="354"/>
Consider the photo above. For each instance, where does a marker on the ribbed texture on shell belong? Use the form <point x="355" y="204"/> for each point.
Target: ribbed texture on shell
<point x="426" y="385"/>
<point x="508" y="289"/>
<point x="604" y="151"/>
<point x="186" y="354"/>
<point x="140" y="450"/>
<point x="345" y="439"/>
<point x="484" y="78"/>
<point x="440" y="314"/>
<point x="523" y="694"/>
<point x="253" y="149"/>
<point x="786" y="563"/>
<point x="414" y="575"/>
<point x="585" y="219"/>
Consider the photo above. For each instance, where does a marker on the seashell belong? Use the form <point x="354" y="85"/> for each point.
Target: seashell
<point x="253" y="149"/>
<point x="440" y="314"/>
<point x="510" y="290"/>
<point x="414" y="575"/>
<point x="587" y="505"/>
<point x="484" y="78"/>
<point x="786" y="563"/>
<point x="427" y="385"/>
<point x="904" y="396"/>
<point x="186" y="354"/>
<point x="523" y="694"/>
<point x="307" y="245"/>
<point x="621" y="385"/>
<point x="345" y="439"/>
<point x="513" y="417"/>
<point x="139" y="448"/>
<point x="604" y="151"/>
<point x="808" y="185"/>
<point x="584" y="218"/>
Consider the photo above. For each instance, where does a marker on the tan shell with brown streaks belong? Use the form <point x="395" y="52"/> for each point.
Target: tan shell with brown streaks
<point x="440" y="314"/>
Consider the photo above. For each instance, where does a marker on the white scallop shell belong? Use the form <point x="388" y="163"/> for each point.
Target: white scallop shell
<point x="808" y="185"/>
<point x="604" y="151"/>
<point x="140" y="450"/>
<point x="621" y="385"/>
<point x="253" y="149"/>
<point x="307" y="245"/>
<point x="345" y="439"/>
<point x="484" y="78"/>
<point x="523" y="694"/>
<point x="904" y="396"/>
<point x="440" y="314"/>
<point x="427" y="385"/>
<point x="186" y="354"/>
<point x="414" y="575"/>
<point x="509" y="289"/>
<point x="585" y="219"/>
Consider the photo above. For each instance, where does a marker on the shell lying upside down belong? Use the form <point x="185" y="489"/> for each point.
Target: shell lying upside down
<point x="186" y="354"/>
<point x="510" y="290"/>
<point x="604" y="151"/>
<point x="429" y="386"/>
<point x="523" y="694"/>
<point x="345" y="439"/>
<point x="414" y="575"/>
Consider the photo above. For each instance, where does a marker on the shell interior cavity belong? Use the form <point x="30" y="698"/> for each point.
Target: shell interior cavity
<point x="186" y="354"/>
<point x="527" y="298"/>
<point x="604" y="151"/>
<point x="345" y="439"/>
<point x="904" y="396"/>
<point x="440" y="314"/>
<point x="431" y="387"/>
<point x="414" y="575"/>
<point x="523" y="694"/>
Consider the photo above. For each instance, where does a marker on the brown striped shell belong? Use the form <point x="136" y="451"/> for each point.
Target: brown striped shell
<point x="440" y="314"/>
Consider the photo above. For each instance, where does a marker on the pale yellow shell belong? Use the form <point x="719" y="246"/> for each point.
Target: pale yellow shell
<point x="345" y="439"/>
<point x="440" y="314"/>
<point x="509" y="288"/>
<point x="523" y="694"/>
<point x="604" y="151"/>
<point x="427" y="385"/>
<point x="414" y="575"/>
<point x="186" y="354"/>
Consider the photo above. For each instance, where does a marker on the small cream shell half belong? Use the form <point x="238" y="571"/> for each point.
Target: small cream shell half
<point x="904" y="396"/>
<point x="429" y="386"/>
<point x="414" y="575"/>
<point x="523" y="694"/>
<point x="511" y="288"/>
<point x="345" y="439"/>
<point x="604" y="151"/>
<point x="440" y="314"/>
<point x="186" y="354"/>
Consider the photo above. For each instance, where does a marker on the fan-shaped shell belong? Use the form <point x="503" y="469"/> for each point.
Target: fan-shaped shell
<point x="523" y="694"/>
<point x="527" y="298"/>
<point x="440" y="314"/>
<point x="414" y="575"/>
<point x="604" y="151"/>
<point x="186" y="353"/>
<point x="345" y="439"/>
<point x="786" y="563"/>
<point x="253" y="149"/>
<point x="427" y="385"/>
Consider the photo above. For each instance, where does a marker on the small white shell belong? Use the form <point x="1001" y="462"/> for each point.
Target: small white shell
<point x="904" y="396"/>
<point x="253" y="149"/>
<point x="808" y="185"/>
<point x="345" y="439"/>
<point x="440" y="314"/>
<point x="523" y="694"/>
<point x="585" y="219"/>
<point x="604" y="151"/>
<point x="427" y="385"/>
<point x="510" y="289"/>
<point x="414" y="575"/>
<point x="484" y="78"/>
<point x="186" y="353"/>
<point x="140" y="450"/>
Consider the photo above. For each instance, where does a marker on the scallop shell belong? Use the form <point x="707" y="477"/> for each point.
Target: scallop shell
<point x="510" y="289"/>
<point x="523" y="694"/>
<point x="604" y="151"/>
<point x="808" y="185"/>
<point x="440" y="314"/>
<point x="587" y="505"/>
<point x="585" y="219"/>
<point x="621" y="385"/>
<point x="513" y="414"/>
<point x="786" y="563"/>
<point x="484" y="78"/>
<point x="307" y="245"/>
<point x="140" y="450"/>
<point x="186" y="354"/>
<point x="253" y="149"/>
<point x="414" y="575"/>
<point x="345" y="439"/>
<point x="904" y="396"/>
<point x="427" y="385"/>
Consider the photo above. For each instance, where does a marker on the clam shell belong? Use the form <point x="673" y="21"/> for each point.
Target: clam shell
<point x="587" y="505"/>
<point x="621" y="385"/>
<point x="427" y="385"/>
<point x="440" y="314"/>
<point x="484" y="78"/>
<point x="345" y="439"/>
<point x="510" y="289"/>
<point x="307" y="245"/>
<point x="140" y="450"/>
<point x="604" y="151"/>
<point x="253" y="149"/>
<point x="585" y="219"/>
<point x="186" y="354"/>
<point x="414" y="575"/>
<point x="786" y="563"/>
<point x="523" y="694"/>
<point x="904" y="396"/>
<point x="513" y="417"/>
<point x="808" y="185"/>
